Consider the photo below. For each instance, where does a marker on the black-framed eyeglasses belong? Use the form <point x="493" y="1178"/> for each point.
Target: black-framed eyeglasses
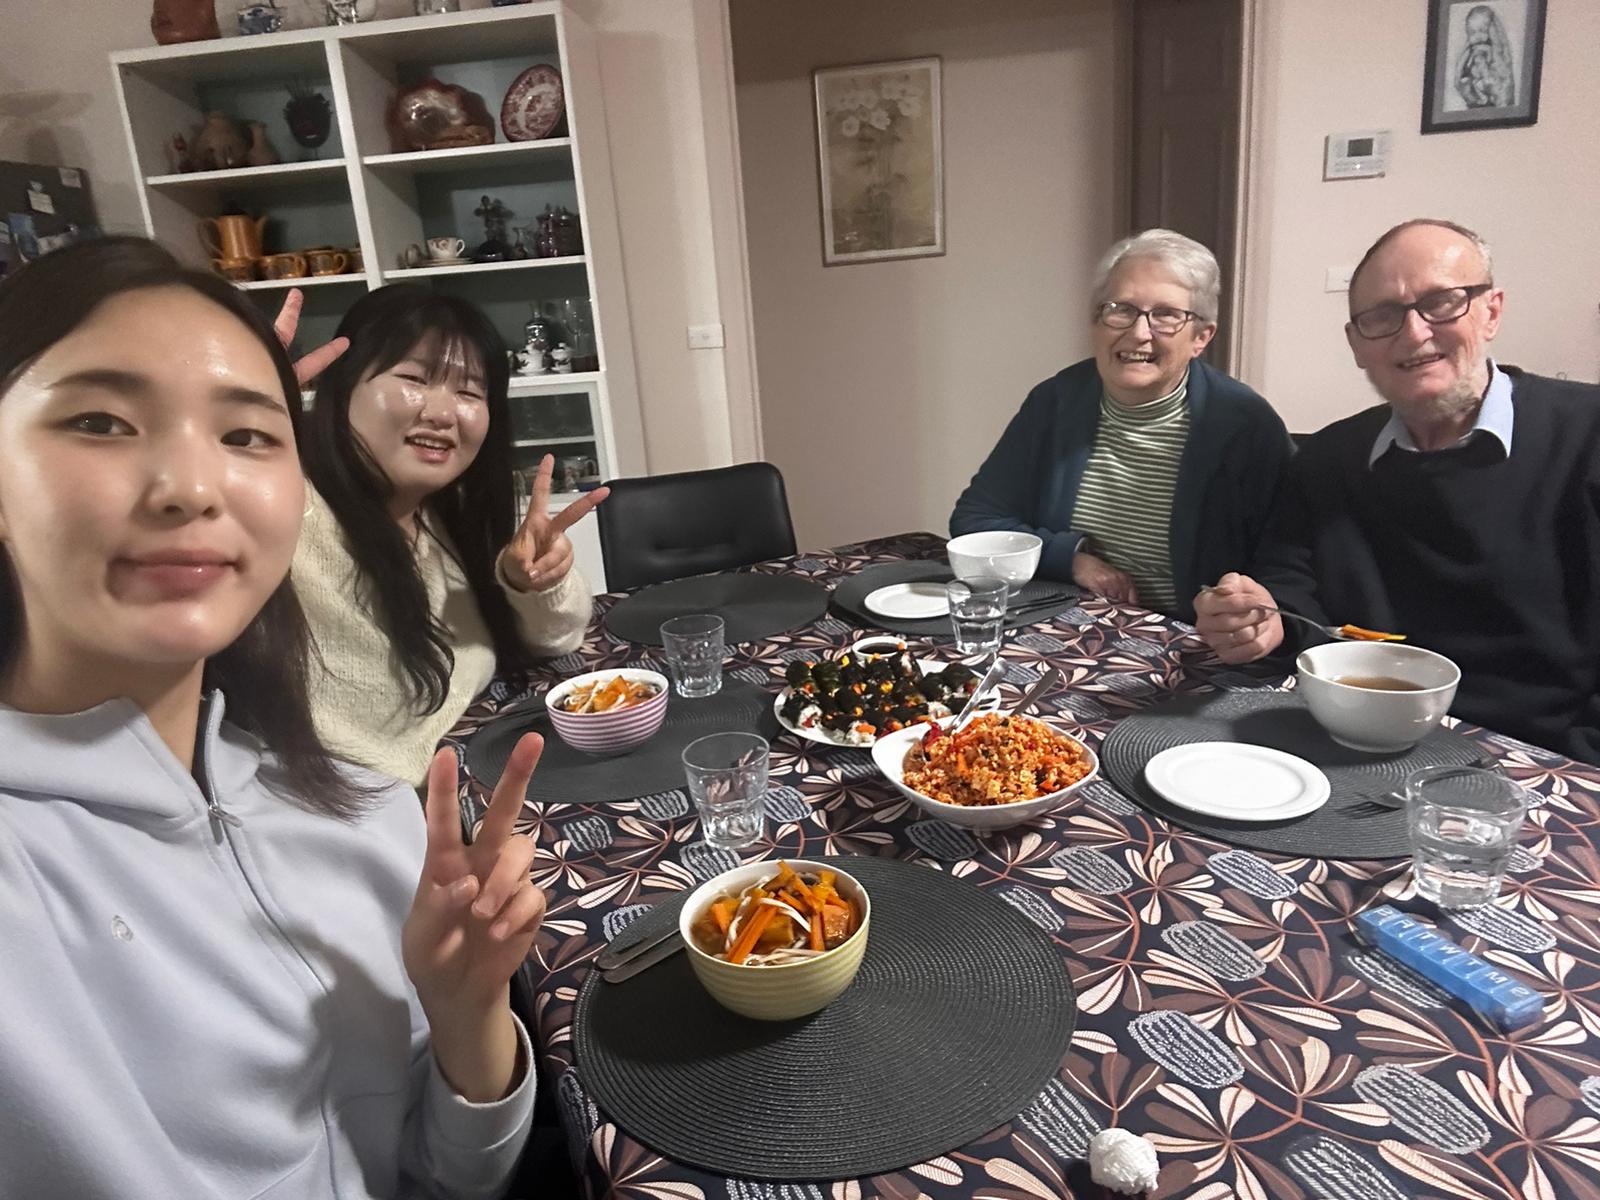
<point x="1114" y="314"/>
<point x="1436" y="308"/>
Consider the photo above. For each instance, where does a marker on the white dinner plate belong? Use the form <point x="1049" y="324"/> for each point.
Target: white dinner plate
<point x="1236" y="781"/>
<point x="909" y="601"/>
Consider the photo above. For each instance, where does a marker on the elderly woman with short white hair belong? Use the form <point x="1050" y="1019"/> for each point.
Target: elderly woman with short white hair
<point x="1146" y="471"/>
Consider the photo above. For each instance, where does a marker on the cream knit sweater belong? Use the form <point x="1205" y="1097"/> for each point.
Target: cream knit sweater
<point x="359" y="699"/>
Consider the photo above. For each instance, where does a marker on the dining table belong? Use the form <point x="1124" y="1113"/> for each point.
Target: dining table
<point x="1343" y="1073"/>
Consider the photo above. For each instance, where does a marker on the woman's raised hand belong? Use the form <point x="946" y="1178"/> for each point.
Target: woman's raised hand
<point x="539" y="554"/>
<point x="472" y="922"/>
<point x="308" y="368"/>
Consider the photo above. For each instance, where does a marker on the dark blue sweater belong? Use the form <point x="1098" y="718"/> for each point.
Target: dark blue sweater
<point x="1228" y="477"/>
<point x="1491" y="560"/>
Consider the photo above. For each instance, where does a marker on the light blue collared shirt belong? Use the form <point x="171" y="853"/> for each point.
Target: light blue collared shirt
<point x="1495" y="417"/>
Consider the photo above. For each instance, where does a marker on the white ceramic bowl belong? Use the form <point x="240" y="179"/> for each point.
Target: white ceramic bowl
<point x="617" y="730"/>
<point x="784" y="992"/>
<point x="889" y="754"/>
<point x="1379" y="722"/>
<point x="998" y="554"/>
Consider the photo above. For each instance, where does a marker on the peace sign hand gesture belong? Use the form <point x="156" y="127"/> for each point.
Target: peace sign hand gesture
<point x="285" y="325"/>
<point x="471" y="924"/>
<point x="539" y="555"/>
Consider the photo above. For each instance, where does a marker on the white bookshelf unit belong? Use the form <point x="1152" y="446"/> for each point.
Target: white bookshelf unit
<point x="355" y="192"/>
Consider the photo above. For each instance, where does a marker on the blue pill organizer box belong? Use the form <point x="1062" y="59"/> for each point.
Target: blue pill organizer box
<point x="1493" y="994"/>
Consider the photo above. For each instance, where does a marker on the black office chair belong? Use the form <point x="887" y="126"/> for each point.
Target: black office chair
<point x="664" y="527"/>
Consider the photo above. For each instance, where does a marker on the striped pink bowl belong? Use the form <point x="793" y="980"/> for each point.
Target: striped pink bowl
<point x="609" y="732"/>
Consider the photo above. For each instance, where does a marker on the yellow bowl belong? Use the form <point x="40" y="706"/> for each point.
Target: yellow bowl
<point x="784" y="992"/>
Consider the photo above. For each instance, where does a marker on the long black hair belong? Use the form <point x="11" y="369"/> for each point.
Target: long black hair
<point x="476" y="511"/>
<point x="263" y="672"/>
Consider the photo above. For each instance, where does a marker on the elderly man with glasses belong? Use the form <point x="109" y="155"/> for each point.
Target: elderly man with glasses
<point x="1463" y="512"/>
<point x="1145" y="471"/>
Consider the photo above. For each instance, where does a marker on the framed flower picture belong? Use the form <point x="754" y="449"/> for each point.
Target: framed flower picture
<point x="880" y="161"/>
<point x="1484" y="60"/>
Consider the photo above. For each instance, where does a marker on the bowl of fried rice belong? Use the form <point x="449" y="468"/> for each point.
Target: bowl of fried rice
<point x="997" y="772"/>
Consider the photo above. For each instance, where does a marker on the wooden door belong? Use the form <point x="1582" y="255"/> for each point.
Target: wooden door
<point x="1187" y="65"/>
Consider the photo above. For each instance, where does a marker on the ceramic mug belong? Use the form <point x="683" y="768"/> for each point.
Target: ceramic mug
<point x="354" y="254"/>
<point x="446" y="247"/>
<point x="282" y="266"/>
<point x="327" y="262"/>
<point x="239" y="270"/>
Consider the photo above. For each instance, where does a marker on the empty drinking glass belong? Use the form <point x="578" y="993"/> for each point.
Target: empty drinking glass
<point x="727" y="775"/>
<point x="694" y="649"/>
<point x="1464" y="824"/>
<point x="977" y="613"/>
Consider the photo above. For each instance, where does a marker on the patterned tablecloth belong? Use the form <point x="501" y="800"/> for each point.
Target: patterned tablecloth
<point x="1225" y="1011"/>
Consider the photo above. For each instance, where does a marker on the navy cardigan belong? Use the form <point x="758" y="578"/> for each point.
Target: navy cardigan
<point x="1228" y="478"/>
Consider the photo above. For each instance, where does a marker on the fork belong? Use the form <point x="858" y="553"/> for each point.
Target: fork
<point x="1396" y="797"/>
<point x="1327" y="631"/>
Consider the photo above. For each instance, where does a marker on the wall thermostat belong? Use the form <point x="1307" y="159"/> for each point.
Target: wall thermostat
<point x="1363" y="155"/>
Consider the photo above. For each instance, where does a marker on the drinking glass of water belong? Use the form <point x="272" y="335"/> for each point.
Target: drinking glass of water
<point x="728" y="779"/>
<point x="694" y="647"/>
<point x="977" y="613"/>
<point x="1464" y="823"/>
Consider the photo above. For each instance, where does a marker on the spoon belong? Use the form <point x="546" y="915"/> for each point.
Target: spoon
<point x="1044" y="684"/>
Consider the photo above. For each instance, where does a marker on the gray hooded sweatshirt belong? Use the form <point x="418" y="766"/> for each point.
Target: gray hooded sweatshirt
<point x="197" y="1006"/>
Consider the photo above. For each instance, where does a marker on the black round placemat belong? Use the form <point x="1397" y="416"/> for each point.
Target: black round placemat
<point x="572" y="776"/>
<point x="1029" y="603"/>
<point x="751" y="606"/>
<point x="1348" y="826"/>
<point x="960" y="1016"/>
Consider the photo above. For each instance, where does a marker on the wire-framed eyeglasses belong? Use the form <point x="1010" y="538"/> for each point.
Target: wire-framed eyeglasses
<point x="1436" y="308"/>
<point x="1165" y="320"/>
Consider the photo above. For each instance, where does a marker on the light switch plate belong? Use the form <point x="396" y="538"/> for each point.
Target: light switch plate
<point x="705" y="337"/>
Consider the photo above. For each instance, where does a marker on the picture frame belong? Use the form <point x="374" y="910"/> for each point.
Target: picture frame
<point x="1483" y="64"/>
<point x="880" y="160"/>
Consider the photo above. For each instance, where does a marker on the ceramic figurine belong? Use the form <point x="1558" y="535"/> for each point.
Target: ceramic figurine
<point x="184" y="21"/>
<point x="260" y="18"/>
<point x="561" y="360"/>
<point x="495" y="247"/>
<point x="219" y="145"/>
<point x="261" y="153"/>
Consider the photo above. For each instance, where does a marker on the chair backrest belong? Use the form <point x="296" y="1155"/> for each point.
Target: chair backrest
<point x="663" y="527"/>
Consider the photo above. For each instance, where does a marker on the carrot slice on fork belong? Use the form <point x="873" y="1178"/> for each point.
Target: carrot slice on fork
<point x="1370" y="635"/>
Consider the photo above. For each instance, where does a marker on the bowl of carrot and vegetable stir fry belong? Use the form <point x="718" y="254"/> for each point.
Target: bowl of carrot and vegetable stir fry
<point x="774" y="941"/>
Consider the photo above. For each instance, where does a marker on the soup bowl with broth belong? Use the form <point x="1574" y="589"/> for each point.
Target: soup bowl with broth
<point x="1376" y="696"/>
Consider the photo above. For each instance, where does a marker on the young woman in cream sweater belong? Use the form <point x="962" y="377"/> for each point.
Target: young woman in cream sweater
<point x="417" y="583"/>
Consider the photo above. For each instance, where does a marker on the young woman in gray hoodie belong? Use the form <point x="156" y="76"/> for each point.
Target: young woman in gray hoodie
<point x="232" y="966"/>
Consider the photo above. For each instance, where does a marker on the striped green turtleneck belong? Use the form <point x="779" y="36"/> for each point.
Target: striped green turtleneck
<point x="1125" y="501"/>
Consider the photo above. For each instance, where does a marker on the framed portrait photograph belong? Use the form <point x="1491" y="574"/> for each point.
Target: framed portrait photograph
<point x="1483" y="64"/>
<point x="880" y="160"/>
